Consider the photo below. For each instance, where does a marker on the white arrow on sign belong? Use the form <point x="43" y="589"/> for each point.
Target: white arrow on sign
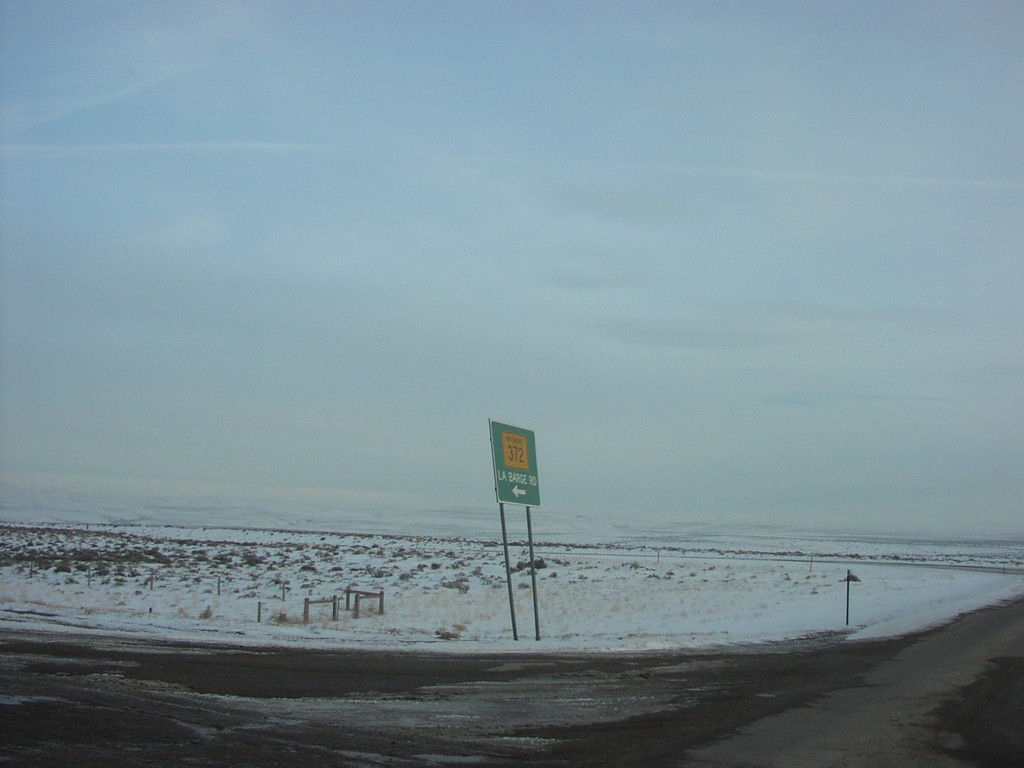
<point x="517" y="491"/>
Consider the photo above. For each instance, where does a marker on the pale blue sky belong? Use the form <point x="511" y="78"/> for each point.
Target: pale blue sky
<point x="753" y="261"/>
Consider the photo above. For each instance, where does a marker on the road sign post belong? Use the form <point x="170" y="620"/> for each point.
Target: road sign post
<point x="514" y="455"/>
<point x="508" y="572"/>
<point x="533" y="574"/>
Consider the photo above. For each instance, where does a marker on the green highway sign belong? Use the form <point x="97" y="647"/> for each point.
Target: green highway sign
<point x="514" y="451"/>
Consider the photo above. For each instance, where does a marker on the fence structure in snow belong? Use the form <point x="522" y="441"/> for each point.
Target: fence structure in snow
<point x="358" y="594"/>
<point x="308" y="602"/>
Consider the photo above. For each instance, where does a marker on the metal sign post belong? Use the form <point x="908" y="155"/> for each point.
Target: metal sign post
<point x="514" y="455"/>
<point x="533" y="574"/>
<point x="508" y="572"/>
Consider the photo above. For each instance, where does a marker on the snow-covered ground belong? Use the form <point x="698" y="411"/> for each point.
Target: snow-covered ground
<point x="450" y="593"/>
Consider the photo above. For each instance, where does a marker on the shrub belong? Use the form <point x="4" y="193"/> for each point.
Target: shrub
<point x="251" y="558"/>
<point x="460" y="582"/>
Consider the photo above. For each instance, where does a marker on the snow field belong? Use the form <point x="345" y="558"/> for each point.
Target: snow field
<point x="452" y="593"/>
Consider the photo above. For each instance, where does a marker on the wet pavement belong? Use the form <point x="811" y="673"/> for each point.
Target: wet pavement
<point x="953" y="696"/>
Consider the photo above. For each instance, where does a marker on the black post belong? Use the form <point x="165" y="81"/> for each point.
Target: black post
<point x="848" y="597"/>
<point x="508" y="572"/>
<point x="533" y="573"/>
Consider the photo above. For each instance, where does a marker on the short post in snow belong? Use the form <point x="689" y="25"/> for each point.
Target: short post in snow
<point x="849" y="577"/>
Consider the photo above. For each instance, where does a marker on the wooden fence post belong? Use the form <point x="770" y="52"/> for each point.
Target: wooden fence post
<point x="359" y="594"/>
<point x="305" y="612"/>
<point x="334" y="609"/>
<point x="259" y="611"/>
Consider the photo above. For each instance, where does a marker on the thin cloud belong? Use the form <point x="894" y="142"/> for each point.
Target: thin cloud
<point x="681" y="335"/>
<point x="144" y="49"/>
<point x="184" y="234"/>
<point x="839" y="178"/>
<point x="184" y="147"/>
<point x="829" y="398"/>
<point x="773" y="325"/>
<point x="19" y="117"/>
<point x="761" y="174"/>
<point x="822" y="177"/>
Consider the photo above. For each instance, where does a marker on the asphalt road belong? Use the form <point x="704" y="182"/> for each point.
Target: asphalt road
<point x="950" y="697"/>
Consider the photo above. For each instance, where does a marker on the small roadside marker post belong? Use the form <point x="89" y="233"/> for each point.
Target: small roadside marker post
<point x="849" y="578"/>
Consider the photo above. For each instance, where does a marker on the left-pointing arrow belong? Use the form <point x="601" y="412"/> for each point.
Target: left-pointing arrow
<point x="517" y="491"/>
